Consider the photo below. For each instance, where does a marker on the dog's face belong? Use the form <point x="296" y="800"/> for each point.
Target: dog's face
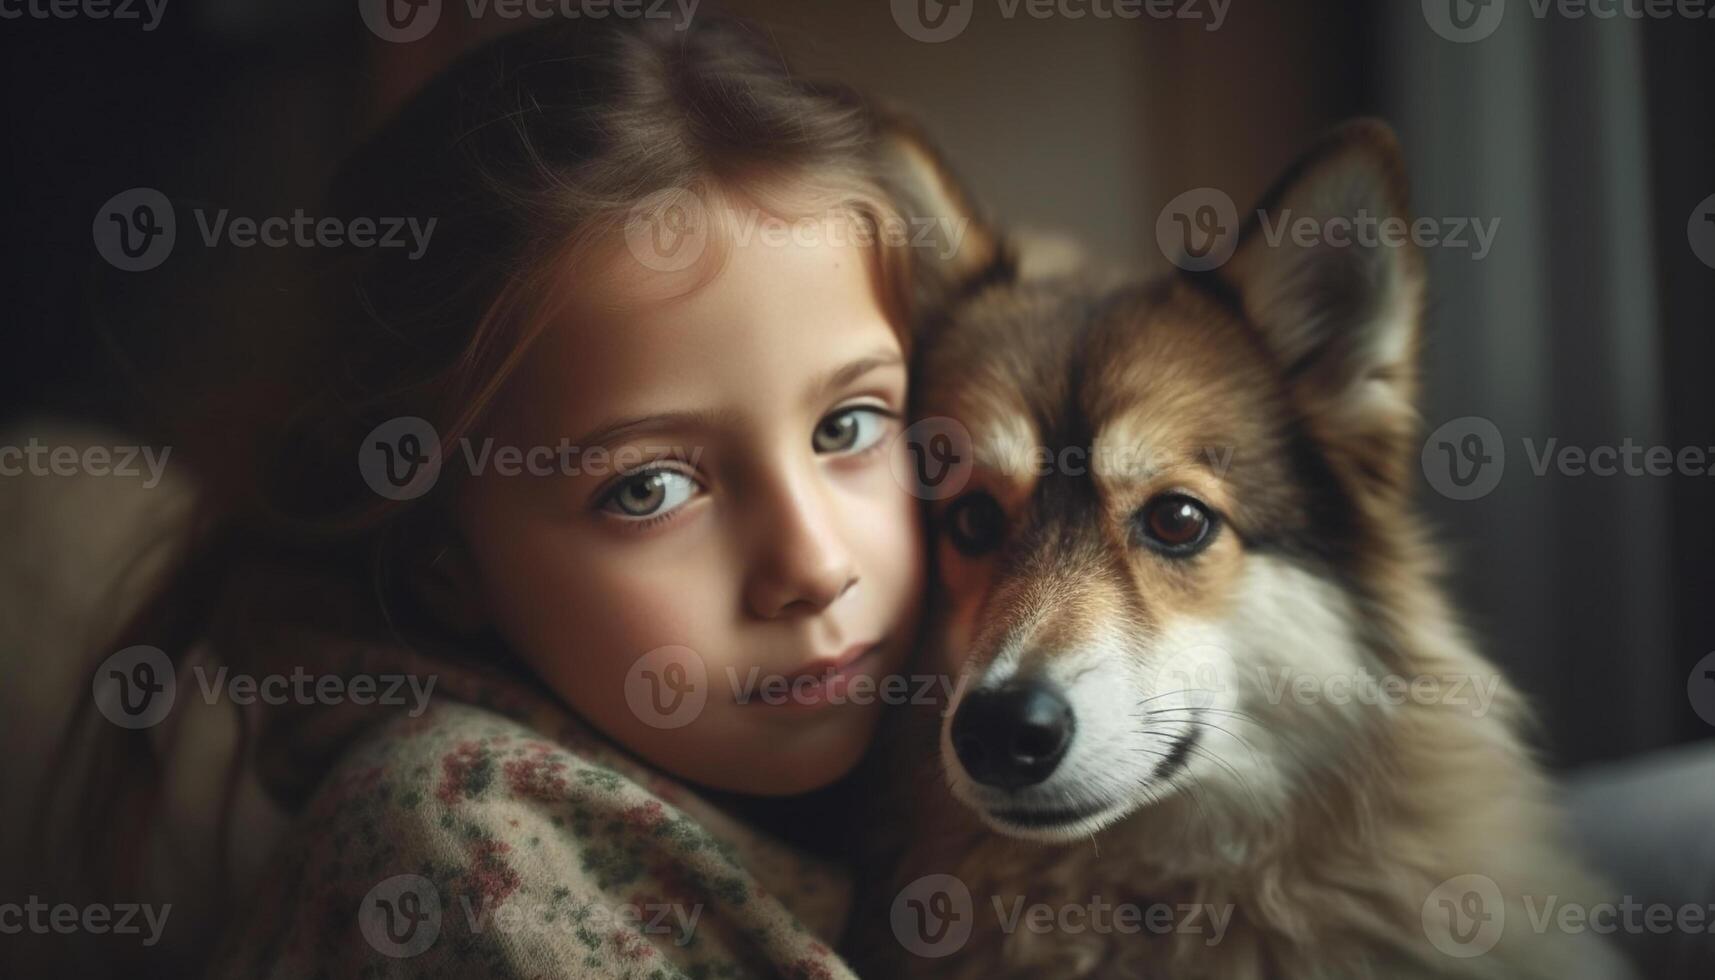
<point x="1169" y="520"/>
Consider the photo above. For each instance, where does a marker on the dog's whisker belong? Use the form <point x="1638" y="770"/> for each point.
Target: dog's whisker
<point x="1168" y="694"/>
<point x="1202" y="752"/>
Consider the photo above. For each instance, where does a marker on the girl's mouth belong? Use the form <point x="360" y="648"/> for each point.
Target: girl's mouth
<point x="825" y="681"/>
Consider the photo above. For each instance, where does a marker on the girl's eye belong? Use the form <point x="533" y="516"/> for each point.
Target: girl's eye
<point x="850" y="430"/>
<point x="650" y="493"/>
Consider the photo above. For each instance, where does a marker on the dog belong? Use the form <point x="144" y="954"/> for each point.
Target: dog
<point x="1213" y="715"/>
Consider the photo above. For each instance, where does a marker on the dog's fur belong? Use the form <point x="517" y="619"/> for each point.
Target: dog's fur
<point x="1279" y="390"/>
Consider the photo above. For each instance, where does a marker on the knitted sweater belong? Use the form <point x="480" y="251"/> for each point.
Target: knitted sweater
<point x="495" y="835"/>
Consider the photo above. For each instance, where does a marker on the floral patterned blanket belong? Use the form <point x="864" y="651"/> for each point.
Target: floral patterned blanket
<point x="497" y="836"/>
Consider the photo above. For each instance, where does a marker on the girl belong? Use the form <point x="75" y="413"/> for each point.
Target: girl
<point x="609" y="472"/>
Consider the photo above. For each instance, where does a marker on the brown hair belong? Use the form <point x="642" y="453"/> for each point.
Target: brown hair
<point x="525" y="151"/>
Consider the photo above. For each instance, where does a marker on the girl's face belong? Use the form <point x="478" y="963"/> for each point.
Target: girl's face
<point x="723" y="527"/>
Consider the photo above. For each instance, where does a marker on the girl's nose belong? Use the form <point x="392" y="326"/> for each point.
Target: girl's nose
<point x="802" y="563"/>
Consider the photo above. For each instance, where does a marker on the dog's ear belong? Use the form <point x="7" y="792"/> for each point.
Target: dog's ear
<point x="954" y="247"/>
<point x="1325" y="269"/>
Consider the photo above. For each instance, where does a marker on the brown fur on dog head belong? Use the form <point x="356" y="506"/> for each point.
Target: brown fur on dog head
<point x="1187" y="703"/>
<point x="1272" y="395"/>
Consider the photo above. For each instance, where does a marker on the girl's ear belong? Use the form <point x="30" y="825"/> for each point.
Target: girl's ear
<point x="451" y="589"/>
<point x="954" y="246"/>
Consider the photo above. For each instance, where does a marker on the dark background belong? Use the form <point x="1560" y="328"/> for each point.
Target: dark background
<point x="1590" y="139"/>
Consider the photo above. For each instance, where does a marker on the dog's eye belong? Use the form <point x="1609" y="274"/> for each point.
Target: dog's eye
<point x="975" y="523"/>
<point x="1176" y="525"/>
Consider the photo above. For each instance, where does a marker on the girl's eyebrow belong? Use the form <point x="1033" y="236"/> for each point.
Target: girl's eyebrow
<point x="846" y="374"/>
<point x="694" y="418"/>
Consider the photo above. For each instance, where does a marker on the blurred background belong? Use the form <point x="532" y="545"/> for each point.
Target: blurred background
<point x="1587" y="320"/>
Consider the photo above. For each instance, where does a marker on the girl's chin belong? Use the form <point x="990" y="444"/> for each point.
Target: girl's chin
<point x="817" y="761"/>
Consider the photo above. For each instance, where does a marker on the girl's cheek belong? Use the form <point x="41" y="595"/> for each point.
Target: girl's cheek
<point x="901" y="549"/>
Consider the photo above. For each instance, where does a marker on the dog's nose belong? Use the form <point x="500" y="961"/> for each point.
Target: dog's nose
<point x="1014" y="735"/>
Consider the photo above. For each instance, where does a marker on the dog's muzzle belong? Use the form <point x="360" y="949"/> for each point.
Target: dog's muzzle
<point x="1013" y="736"/>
